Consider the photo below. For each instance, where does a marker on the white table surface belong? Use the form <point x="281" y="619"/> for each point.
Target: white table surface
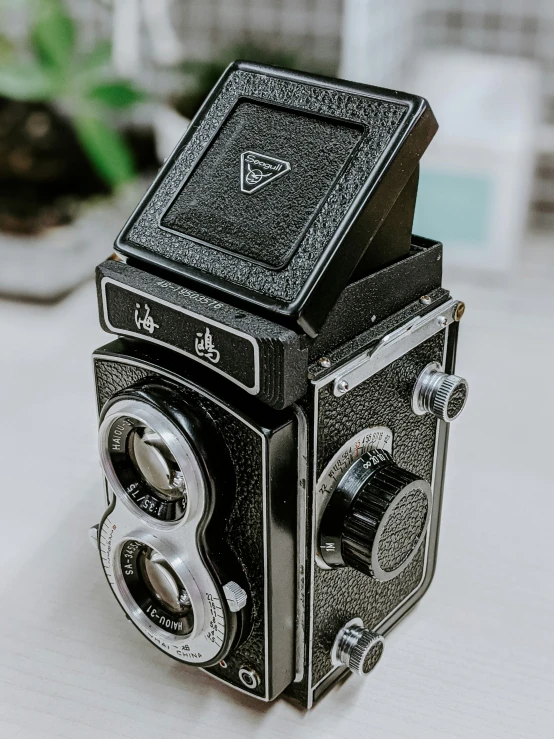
<point x="474" y="659"/>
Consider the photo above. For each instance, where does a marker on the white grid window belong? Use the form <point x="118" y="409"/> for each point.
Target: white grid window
<point x="509" y="27"/>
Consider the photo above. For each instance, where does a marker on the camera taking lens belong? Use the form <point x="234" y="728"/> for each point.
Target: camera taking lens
<point x="156" y="589"/>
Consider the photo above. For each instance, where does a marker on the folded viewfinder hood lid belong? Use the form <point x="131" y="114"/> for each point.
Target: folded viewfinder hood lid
<point x="278" y="190"/>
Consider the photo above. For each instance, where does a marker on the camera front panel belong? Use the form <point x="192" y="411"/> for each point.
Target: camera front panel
<point x="198" y="543"/>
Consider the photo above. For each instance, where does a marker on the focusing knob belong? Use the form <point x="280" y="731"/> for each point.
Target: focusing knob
<point x="236" y="597"/>
<point x="357" y="648"/>
<point x="442" y="395"/>
<point x="376" y="519"/>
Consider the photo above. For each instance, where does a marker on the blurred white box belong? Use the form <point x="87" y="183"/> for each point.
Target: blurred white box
<point x="378" y="39"/>
<point x="476" y="177"/>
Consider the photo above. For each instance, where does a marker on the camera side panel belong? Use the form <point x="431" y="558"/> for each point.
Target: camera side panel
<point x="382" y="401"/>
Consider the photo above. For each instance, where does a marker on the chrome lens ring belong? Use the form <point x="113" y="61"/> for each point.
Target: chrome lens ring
<point x="137" y="491"/>
<point x="150" y="617"/>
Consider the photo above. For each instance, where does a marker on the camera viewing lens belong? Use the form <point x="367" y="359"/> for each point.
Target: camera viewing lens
<point x="155" y="462"/>
<point x="156" y="588"/>
<point x="139" y="460"/>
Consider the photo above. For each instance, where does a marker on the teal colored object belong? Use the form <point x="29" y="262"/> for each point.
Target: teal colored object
<point x="454" y="208"/>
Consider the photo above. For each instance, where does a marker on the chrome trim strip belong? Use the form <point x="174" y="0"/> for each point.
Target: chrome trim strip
<point x="254" y="390"/>
<point x="302" y="504"/>
<point x="392" y="346"/>
<point x="309" y="655"/>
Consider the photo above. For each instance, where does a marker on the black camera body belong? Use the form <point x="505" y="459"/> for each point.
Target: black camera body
<point x="274" y="412"/>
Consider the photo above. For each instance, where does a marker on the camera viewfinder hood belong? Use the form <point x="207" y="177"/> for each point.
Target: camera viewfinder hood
<point x="285" y="188"/>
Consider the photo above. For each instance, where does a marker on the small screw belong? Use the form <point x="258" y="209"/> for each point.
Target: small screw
<point x="342" y="387"/>
<point x="373" y="319"/>
<point x="442" y="321"/>
<point x="249" y="677"/>
<point x="324" y="362"/>
<point x="425" y="300"/>
<point x="459" y="311"/>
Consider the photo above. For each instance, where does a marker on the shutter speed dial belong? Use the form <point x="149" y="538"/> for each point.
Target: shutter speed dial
<point x="376" y="519"/>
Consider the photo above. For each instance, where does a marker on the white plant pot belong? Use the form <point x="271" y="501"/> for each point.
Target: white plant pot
<point x="49" y="265"/>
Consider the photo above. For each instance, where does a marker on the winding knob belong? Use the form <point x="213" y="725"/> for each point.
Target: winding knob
<point x="376" y="519"/>
<point x="357" y="648"/>
<point x="442" y="395"/>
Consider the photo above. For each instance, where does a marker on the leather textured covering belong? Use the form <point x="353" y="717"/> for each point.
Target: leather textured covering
<point x="385" y="399"/>
<point x="213" y="209"/>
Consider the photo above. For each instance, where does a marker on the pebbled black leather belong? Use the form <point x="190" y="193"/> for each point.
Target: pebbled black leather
<point x="212" y="208"/>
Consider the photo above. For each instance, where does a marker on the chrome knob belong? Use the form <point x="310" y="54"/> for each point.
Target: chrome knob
<point x="236" y="597"/>
<point x="442" y="395"/>
<point x="357" y="648"/>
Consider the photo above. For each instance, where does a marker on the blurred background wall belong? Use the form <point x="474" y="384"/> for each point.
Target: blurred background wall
<point x="486" y="65"/>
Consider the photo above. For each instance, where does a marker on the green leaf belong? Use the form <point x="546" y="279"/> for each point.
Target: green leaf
<point x="90" y="69"/>
<point x="116" y="94"/>
<point x="27" y="82"/>
<point x="6" y="48"/>
<point x="53" y="35"/>
<point x="106" y="149"/>
<point x="98" y="58"/>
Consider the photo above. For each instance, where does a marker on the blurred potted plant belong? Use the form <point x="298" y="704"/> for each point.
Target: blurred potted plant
<point x="63" y="162"/>
<point x="198" y="78"/>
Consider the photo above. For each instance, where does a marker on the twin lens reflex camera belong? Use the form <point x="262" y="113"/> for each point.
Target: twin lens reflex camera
<point x="274" y="410"/>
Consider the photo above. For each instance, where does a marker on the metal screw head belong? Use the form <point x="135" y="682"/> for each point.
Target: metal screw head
<point x="324" y="362"/>
<point x="249" y="677"/>
<point x="342" y="387"/>
<point x="459" y="311"/>
<point x="425" y="300"/>
<point x="442" y="321"/>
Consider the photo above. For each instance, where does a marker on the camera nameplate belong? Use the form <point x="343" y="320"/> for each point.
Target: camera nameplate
<point x="202" y="339"/>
